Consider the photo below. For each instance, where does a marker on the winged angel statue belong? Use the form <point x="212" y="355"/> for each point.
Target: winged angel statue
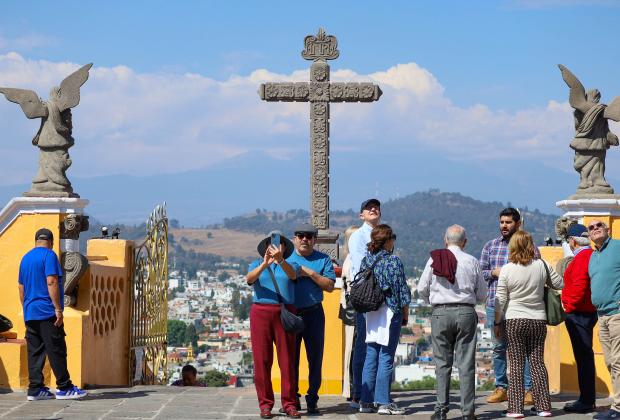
<point x="54" y="136"/>
<point x="592" y="135"/>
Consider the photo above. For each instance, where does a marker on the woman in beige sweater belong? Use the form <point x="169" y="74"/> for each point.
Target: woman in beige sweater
<point x="520" y="314"/>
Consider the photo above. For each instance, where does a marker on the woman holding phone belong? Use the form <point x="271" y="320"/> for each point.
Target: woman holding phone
<point x="265" y="325"/>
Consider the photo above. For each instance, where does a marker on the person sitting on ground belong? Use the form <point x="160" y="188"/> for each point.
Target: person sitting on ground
<point x="188" y="377"/>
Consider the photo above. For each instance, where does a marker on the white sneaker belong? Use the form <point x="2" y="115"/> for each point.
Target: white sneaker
<point x="515" y="415"/>
<point x="544" y="414"/>
<point x="390" y="409"/>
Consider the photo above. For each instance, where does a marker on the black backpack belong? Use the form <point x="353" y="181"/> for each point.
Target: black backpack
<point x="366" y="294"/>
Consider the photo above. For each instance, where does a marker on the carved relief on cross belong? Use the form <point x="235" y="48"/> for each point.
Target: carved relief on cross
<point x="319" y="92"/>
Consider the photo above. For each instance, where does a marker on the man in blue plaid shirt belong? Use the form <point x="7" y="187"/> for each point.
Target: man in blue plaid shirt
<point x="494" y="256"/>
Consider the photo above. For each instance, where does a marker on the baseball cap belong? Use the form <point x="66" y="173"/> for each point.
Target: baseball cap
<point x="43" y="234"/>
<point x="370" y="201"/>
<point x="306" y="228"/>
<point x="577" y="230"/>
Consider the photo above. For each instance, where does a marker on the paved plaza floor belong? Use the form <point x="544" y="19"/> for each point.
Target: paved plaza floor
<point x="158" y="402"/>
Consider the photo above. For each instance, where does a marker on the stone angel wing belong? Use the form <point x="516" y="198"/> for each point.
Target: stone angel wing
<point x="70" y="88"/>
<point x="28" y="100"/>
<point x="612" y="111"/>
<point x="577" y="96"/>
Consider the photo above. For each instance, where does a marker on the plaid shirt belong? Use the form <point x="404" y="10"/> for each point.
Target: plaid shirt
<point x="495" y="254"/>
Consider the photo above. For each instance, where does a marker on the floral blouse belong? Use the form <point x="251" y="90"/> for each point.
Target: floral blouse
<point x="390" y="274"/>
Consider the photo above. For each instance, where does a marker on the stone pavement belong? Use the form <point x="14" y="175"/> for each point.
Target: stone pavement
<point x="158" y="402"/>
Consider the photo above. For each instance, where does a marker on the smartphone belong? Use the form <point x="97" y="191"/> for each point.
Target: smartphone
<point x="275" y="240"/>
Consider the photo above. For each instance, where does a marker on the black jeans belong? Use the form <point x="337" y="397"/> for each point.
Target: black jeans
<point x="580" y="326"/>
<point x="313" y="336"/>
<point x="44" y="339"/>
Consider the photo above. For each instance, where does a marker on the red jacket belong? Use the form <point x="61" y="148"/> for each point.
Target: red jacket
<point x="576" y="295"/>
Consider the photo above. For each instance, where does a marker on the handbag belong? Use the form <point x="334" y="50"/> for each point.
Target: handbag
<point x="366" y="294"/>
<point x="291" y="322"/>
<point x="347" y="312"/>
<point x="553" y="303"/>
<point x="5" y="324"/>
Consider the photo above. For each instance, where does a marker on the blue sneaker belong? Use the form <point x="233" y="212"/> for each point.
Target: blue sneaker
<point x="74" y="393"/>
<point x="43" y="394"/>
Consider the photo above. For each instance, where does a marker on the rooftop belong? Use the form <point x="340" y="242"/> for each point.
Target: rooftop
<point x="159" y="402"/>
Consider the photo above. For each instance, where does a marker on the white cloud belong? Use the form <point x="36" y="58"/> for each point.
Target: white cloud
<point x="145" y="123"/>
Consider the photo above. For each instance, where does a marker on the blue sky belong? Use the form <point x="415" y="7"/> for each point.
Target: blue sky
<point x="475" y="82"/>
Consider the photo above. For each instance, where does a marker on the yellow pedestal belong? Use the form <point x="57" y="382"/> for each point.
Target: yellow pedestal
<point x="97" y="328"/>
<point x="332" y="355"/>
<point x="559" y="356"/>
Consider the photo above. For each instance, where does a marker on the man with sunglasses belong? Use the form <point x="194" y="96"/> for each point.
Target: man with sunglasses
<point x="316" y="276"/>
<point x="604" y="271"/>
<point x="370" y="214"/>
<point x="580" y="317"/>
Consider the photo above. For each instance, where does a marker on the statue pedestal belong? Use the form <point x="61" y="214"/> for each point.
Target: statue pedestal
<point x="97" y="327"/>
<point x="558" y="342"/>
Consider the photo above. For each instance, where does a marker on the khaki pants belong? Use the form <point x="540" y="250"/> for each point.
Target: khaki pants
<point x="349" y="331"/>
<point x="609" y="336"/>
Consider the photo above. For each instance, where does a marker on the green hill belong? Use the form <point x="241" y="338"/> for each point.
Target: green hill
<point x="419" y="220"/>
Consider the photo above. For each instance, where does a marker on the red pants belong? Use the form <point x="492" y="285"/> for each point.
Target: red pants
<point x="266" y="328"/>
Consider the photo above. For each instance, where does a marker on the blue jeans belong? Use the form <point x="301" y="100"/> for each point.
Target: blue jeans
<point x="379" y="366"/>
<point x="359" y="355"/>
<point x="499" y="357"/>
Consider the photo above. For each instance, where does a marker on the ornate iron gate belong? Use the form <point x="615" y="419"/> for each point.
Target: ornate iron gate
<point x="148" y="363"/>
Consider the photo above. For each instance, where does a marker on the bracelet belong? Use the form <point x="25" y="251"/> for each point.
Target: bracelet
<point x="58" y="311"/>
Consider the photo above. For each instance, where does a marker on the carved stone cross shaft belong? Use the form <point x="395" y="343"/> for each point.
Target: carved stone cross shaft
<point x="320" y="92"/>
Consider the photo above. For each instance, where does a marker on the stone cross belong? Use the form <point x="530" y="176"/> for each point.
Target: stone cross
<point x="320" y="92"/>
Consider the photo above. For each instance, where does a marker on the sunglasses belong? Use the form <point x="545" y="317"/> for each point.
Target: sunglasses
<point x="393" y="236"/>
<point x="308" y="236"/>
<point x="595" y="226"/>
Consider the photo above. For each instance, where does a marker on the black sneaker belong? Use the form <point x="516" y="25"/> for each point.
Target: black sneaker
<point x="313" y="410"/>
<point x="579" y="407"/>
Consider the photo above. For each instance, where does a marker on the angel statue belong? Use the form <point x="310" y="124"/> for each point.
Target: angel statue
<point x="54" y="136"/>
<point x="592" y="135"/>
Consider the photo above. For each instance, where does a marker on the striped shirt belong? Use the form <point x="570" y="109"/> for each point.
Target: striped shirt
<point x="495" y="255"/>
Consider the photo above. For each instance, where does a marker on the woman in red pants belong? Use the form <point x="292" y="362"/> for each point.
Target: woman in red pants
<point x="265" y="325"/>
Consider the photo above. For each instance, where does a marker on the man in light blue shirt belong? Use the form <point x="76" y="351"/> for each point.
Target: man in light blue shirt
<point x="316" y="275"/>
<point x="370" y="213"/>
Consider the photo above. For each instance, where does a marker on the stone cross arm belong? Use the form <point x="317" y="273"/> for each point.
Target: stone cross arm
<point x="319" y="92"/>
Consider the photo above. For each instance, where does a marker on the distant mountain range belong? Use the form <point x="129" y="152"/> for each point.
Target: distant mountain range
<point x="251" y="181"/>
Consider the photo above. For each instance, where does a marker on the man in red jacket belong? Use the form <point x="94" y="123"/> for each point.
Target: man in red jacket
<point x="580" y="317"/>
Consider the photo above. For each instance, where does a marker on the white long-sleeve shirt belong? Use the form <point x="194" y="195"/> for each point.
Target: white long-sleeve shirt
<point x="469" y="286"/>
<point x="358" y="245"/>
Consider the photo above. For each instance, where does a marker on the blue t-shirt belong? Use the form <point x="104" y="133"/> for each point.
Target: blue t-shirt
<point x="307" y="292"/>
<point x="604" y="271"/>
<point x="36" y="265"/>
<point x="264" y="290"/>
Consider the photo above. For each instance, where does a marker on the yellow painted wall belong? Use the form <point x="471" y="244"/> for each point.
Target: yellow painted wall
<point x="563" y="369"/>
<point x="97" y="328"/>
<point x="333" y="357"/>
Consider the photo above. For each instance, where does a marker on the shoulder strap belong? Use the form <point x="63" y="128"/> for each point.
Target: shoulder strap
<point x="548" y="278"/>
<point x="275" y="284"/>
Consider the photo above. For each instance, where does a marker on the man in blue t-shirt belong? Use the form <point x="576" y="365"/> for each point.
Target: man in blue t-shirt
<point x="316" y="275"/>
<point x="41" y="294"/>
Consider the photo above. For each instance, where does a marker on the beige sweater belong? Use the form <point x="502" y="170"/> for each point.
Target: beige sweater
<point x="520" y="290"/>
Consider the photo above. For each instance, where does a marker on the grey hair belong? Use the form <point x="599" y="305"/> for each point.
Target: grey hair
<point x="581" y="241"/>
<point x="455" y="235"/>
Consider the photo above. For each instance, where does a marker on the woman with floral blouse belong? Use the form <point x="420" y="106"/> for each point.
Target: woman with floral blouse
<point x="383" y="325"/>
